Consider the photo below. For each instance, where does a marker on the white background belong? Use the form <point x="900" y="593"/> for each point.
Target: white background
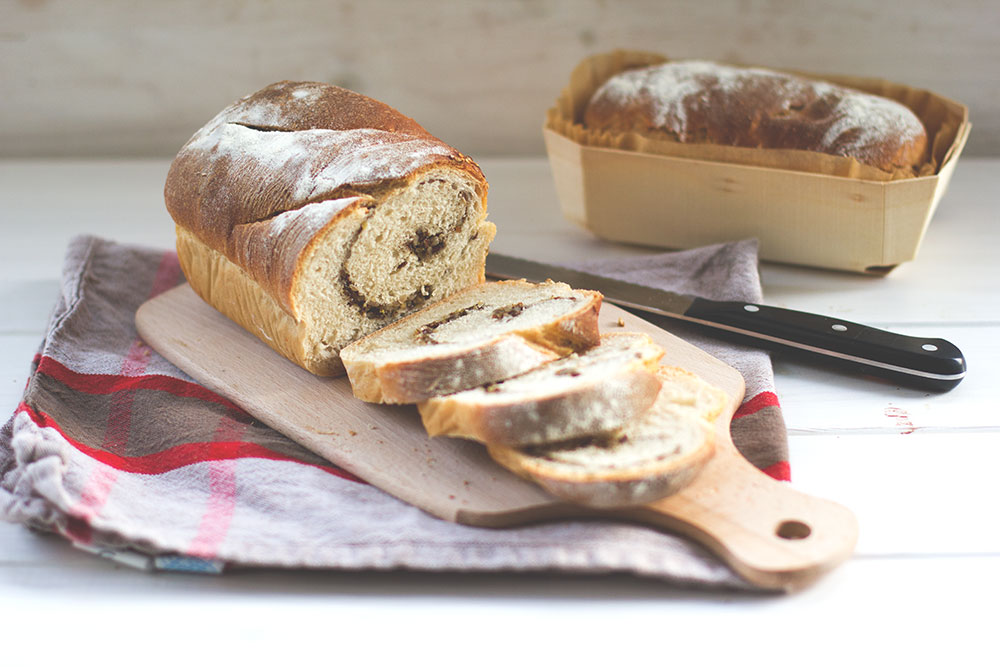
<point x="122" y="78"/>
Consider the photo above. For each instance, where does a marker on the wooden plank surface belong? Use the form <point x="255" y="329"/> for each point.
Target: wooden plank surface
<point x="110" y="77"/>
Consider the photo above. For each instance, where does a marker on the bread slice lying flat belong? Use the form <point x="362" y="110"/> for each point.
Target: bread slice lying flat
<point x="654" y="456"/>
<point x="584" y="394"/>
<point x="482" y="334"/>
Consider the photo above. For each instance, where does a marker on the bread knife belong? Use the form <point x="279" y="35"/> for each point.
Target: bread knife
<point x="926" y="363"/>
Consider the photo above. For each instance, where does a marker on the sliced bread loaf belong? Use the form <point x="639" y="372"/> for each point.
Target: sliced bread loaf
<point x="583" y="394"/>
<point x="654" y="456"/>
<point x="482" y="334"/>
<point x="312" y="215"/>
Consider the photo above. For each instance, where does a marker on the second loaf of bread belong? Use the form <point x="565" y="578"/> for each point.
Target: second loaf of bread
<point x="704" y="102"/>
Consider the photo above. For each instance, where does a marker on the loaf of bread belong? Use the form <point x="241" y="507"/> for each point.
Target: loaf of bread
<point x="703" y="102"/>
<point x="312" y="215"/>
<point x="652" y="457"/>
<point x="583" y="394"/>
<point x="482" y="334"/>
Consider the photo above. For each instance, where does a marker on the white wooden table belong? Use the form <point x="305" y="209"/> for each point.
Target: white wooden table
<point x="919" y="470"/>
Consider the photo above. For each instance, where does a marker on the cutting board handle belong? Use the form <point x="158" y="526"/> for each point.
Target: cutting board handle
<point x="769" y="533"/>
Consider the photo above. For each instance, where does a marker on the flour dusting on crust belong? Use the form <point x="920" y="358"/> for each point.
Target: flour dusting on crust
<point x="319" y="162"/>
<point x="305" y="141"/>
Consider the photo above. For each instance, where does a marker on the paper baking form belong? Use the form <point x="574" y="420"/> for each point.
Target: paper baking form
<point x="825" y="211"/>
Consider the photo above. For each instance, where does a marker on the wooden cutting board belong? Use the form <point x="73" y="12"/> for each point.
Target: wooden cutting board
<point x="769" y="533"/>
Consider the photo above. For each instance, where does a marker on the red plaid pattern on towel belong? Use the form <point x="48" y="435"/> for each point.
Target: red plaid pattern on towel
<point x="142" y="419"/>
<point x="125" y="455"/>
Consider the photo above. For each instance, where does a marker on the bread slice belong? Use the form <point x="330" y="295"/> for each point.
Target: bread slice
<point x="584" y="394"/>
<point x="483" y="334"/>
<point x="652" y="457"/>
<point x="312" y="215"/>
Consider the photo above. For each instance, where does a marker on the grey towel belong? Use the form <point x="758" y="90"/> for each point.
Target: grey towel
<point x="124" y="455"/>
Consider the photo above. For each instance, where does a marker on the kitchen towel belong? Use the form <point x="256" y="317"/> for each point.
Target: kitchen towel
<point x="124" y="455"/>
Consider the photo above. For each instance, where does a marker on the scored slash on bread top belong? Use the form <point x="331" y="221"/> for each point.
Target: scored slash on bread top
<point x="585" y="393"/>
<point x="482" y="334"/>
<point x="653" y="456"/>
<point x="704" y="102"/>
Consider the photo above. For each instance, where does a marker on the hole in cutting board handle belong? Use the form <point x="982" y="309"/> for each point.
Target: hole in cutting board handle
<point x="793" y="530"/>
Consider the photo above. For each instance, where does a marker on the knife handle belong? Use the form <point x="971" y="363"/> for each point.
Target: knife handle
<point x="930" y="363"/>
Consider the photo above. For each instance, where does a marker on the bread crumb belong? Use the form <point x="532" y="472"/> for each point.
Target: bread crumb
<point x="621" y="322"/>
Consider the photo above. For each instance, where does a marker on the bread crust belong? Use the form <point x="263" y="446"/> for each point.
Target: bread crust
<point x="700" y="102"/>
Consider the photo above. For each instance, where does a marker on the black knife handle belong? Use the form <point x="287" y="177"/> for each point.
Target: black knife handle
<point x="931" y="363"/>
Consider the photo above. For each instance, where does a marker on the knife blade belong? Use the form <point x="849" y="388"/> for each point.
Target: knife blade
<point x="927" y="363"/>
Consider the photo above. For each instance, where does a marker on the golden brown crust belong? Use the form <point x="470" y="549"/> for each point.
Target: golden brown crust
<point x="697" y="102"/>
<point x="312" y="106"/>
<point x="240" y="298"/>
